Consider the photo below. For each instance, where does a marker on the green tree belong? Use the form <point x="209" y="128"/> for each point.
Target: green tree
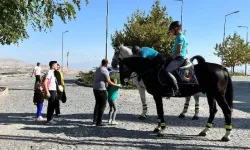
<point x="146" y="30"/>
<point x="16" y="15"/>
<point x="236" y="53"/>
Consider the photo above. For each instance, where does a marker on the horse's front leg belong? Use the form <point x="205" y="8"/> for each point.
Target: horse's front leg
<point x="160" y="112"/>
<point x="144" y="103"/>
<point x="142" y="92"/>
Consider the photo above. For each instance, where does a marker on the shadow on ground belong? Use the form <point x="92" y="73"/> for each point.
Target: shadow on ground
<point x="115" y="143"/>
<point x="242" y="95"/>
<point x="80" y="119"/>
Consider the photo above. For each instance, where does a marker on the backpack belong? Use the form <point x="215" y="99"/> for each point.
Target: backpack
<point x="41" y="87"/>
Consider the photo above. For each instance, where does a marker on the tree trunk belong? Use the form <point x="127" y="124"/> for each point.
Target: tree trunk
<point x="233" y="68"/>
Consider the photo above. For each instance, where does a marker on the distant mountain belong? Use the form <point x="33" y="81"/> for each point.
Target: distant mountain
<point x="10" y="66"/>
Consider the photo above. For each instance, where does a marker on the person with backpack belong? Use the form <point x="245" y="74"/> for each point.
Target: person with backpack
<point x="51" y="91"/>
<point x="38" y="100"/>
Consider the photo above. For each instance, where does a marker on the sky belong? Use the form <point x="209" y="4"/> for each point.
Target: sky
<point x="85" y="41"/>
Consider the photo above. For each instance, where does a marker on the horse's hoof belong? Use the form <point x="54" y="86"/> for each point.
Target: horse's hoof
<point x="195" y="118"/>
<point x="225" y="139"/>
<point x="156" y="130"/>
<point x="202" y="134"/>
<point x="142" y="117"/>
<point x="160" y="135"/>
<point x="181" y="116"/>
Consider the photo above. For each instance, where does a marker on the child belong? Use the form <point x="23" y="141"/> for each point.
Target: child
<point x="112" y="97"/>
<point x="38" y="101"/>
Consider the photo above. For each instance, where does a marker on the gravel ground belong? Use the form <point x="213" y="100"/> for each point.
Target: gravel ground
<point x="18" y="130"/>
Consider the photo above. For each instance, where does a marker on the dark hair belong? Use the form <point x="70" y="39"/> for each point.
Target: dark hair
<point x="51" y="63"/>
<point x="104" y="62"/>
<point x="38" y="64"/>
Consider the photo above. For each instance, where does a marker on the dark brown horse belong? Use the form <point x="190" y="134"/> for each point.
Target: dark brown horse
<point x="213" y="79"/>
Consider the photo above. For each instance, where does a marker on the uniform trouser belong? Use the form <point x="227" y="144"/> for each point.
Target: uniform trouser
<point x="100" y="105"/>
<point x="51" y="105"/>
<point x="171" y="67"/>
<point x="38" y="79"/>
<point x="58" y="98"/>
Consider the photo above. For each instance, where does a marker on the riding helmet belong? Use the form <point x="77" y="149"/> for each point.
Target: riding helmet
<point x="174" y="24"/>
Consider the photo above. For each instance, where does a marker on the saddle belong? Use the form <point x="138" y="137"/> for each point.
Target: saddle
<point x="184" y="75"/>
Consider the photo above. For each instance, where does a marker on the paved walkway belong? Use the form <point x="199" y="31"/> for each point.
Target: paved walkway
<point x="18" y="130"/>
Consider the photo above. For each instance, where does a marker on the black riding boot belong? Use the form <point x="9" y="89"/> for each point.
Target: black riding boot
<point x="173" y="83"/>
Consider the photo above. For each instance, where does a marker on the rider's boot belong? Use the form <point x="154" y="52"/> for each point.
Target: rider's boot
<point x="173" y="83"/>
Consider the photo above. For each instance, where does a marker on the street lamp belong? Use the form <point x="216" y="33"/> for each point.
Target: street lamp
<point x="246" y="42"/>
<point x="67" y="60"/>
<point x="62" y="47"/>
<point x="222" y="59"/>
<point x="181" y="8"/>
<point x="107" y="15"/>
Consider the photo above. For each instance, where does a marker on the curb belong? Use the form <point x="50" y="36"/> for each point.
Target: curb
<point x="4" y="92"/>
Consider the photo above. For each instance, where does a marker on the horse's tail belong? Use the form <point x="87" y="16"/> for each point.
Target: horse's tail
<point x="229" y="92"/>
<point x="199" y="59"/>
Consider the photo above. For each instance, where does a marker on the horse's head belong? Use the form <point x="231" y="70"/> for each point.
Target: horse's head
<point x="121" y="53"/>
<point x="138" y="65"/>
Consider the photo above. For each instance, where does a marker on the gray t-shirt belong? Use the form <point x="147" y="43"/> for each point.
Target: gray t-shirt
<point x="101" y="75"/>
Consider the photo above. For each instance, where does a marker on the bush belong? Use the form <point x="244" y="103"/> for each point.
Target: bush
<point x="237" y="74"/>
<point x="88" y="78"/>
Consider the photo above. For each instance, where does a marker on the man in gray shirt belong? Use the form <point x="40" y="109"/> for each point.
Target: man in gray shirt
<point x="100" y="83"/>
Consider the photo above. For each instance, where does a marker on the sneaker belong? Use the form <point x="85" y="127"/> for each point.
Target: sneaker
<point x="114" y="123"/>
<point x="51" y="122"/>
<point x="40" y="118"/>
<point x="110" y="121"/>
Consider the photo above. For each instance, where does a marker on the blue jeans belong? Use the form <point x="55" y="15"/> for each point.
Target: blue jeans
<point x="175" y="64"/>
<point x="39" y="109"/>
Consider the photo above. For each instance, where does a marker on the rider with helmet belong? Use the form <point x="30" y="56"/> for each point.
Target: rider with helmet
<point x="179" y="51"/>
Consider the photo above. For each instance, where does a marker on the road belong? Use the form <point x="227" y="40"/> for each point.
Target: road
<point x="18" y="130"/>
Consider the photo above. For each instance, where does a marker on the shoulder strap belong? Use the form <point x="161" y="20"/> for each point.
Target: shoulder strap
<point x="49" y="81"/>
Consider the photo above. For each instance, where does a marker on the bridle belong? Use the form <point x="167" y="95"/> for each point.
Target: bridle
<point x="118" y="53"/>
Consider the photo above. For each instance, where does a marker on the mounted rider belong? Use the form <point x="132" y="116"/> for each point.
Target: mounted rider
<point x="179" y="51"/>
<point x="176" y="59"/>
<point x="148" y="53"/>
